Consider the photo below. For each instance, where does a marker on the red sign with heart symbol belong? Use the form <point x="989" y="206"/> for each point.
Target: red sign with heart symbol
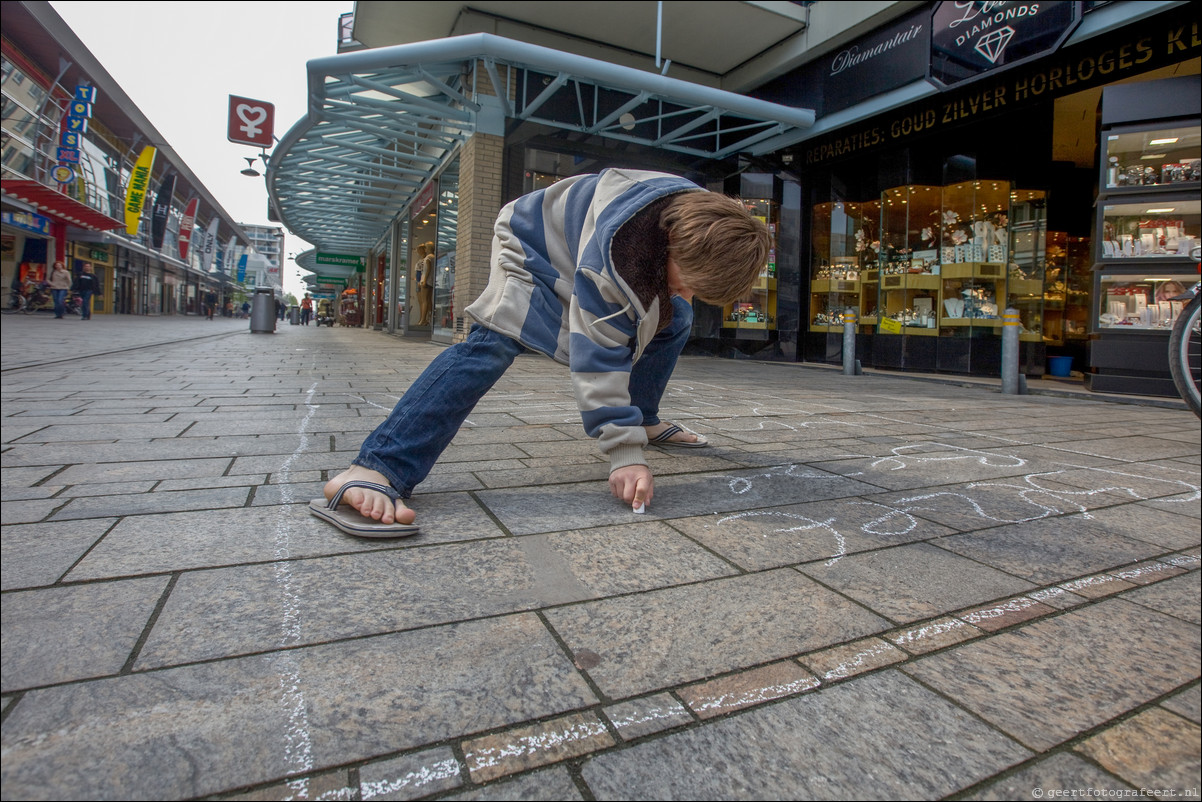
<point x="251" y="122"/>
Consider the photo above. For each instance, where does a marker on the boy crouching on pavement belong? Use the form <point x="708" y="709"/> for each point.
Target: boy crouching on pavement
<point x="597" y="272"/>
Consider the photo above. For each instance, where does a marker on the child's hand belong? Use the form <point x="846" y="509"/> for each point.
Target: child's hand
<point x="633" y="484"/>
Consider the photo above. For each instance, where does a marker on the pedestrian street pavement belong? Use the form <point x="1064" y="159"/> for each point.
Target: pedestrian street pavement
<point x="867" y="587"/>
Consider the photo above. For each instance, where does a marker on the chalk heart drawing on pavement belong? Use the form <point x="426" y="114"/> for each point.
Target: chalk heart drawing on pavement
<point x="1015" y="499"/>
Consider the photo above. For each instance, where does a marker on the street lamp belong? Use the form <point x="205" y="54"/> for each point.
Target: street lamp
<point x="250" y="170"/>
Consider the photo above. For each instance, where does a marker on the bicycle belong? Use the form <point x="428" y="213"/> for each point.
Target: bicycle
<point x="1185" y="347"/>
<point x="16" y="301"/>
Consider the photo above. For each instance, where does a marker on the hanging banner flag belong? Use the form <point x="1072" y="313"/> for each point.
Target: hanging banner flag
<point x="208" y="244"/>
<point x="161" y="212"/>
<point x="226" y="257"/>
<point x="242" y="268"/>
<point x="185" y="228"/>
<point x="135" y="191"/>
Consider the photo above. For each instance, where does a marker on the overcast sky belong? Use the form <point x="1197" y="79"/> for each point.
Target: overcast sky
<point x="180" y="62"/>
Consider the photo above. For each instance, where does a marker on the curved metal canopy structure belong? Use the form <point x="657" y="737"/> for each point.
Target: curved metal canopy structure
<point x="383" y="122"/>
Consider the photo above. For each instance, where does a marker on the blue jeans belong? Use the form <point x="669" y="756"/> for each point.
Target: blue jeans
<point x="85" y="305"/>
<point x="424" y="422"/>
<point x="60" y="302"/>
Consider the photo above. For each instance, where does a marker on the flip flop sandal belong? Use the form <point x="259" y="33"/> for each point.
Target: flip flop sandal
<point x="351" y="522"/>
<point x="663" y="439"/>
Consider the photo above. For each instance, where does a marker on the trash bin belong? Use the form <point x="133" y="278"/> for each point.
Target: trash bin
<point x="294" y="315"/>
<point x="262" y="311"/>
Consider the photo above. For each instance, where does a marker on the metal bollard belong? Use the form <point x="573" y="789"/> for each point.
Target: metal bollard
<point x="1011" y="326"/>
<point x="851" y="365"/>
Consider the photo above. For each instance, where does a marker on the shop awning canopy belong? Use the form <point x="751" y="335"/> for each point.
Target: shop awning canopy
<point x="383" y="122"/>
<point x="52" y="202"/>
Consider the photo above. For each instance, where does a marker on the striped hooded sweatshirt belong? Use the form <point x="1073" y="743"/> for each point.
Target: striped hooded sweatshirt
<point x="554" y="287"/>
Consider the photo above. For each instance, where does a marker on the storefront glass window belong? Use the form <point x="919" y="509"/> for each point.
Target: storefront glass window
<point x="447" y="228"/>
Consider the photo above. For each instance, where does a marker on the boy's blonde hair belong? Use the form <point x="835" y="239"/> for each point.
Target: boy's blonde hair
<point x="720" y="248"/>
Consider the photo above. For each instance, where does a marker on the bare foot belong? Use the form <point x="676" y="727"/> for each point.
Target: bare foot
<point x="369" y="503"/>
<point x="679" y="437"/>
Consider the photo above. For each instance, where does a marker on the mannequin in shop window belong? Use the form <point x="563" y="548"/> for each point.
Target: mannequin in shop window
<point x="425" y="282"/>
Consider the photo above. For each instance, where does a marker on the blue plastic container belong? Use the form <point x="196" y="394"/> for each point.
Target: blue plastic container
<point x="1060" y="365"/>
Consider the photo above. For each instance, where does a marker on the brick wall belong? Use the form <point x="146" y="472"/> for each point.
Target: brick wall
<point x="480" y="164"/>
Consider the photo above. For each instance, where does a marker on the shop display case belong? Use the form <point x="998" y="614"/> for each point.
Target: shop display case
<point x="838" y="259"/>
<point x="1067" y="275"/>
<point x="909" y="264"/>
<point x="1149" y="218"/>
<point x="908" y="278"/>
<point x="1027" y="267"/>
<point x="1149" y="226"/>
<point x="867" y="247"/>
<point x="1140" y="301"/>
<point x="974" y="247"/>
<point x="756" y="311"/>
<point x="1137" y="157"/>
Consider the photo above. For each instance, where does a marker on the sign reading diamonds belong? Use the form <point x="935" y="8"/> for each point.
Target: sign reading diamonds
<point x="972" y="39"/>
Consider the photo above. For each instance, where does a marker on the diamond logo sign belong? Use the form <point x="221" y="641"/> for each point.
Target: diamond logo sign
<point x="972" y="38"/>
<point x="992" y="45"/>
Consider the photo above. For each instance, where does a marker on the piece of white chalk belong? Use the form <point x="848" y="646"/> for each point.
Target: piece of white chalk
<point x="641" y="509"/>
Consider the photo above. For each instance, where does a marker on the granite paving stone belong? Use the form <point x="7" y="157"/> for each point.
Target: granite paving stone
<point x="1155" y="749"/>
<point x="86" y="432"/>
<point x="33" y="493"/>
<point x="548" y="785"/>
<point x="60" y="634"/>
<point x="749" y="756"/>
<point x="933" y="635"/>
<point x="769" y="538"/>
<point x="1052" y="679"/>
<point x="1180" y="596"/>
<point x="1039" y="552"/>
<point x="142" y="470"/>
<point x="1006" y="613"/>
<point x="411" y="776"/>
<point x="546" y="509"/>
<point x="1134" y="447"/>
<point x="1165" y="522"/>
<point x="40" y="554"/>
<point x="13" y="477"/>
<point x="497" y="755"/>
<point x="153" y="502"/>
<point x="915" y="581"/>
<point x="255" y="719"/>
<point x="841" y="662"/>
<point x="1187" y="703"/>
<point x="327" y="785"/>
<point x="648" y="715"/>
<point x="243" y="480"/>
<point x="747" y="621"/>
<point x="148" y="544"/>
<point x="1010" y="500"/>
<point x="717" y="697"/>
<point x="1063" y="772"/>
<point x="1147" y="572"/>
<point x="30" y="511"/>
<point x="1096" y="586"/>
<point x="1056" y="597"/>
<point x="927" y="463"/>
<point x="244" y="609"/>
<point x="1174" y="488"/>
